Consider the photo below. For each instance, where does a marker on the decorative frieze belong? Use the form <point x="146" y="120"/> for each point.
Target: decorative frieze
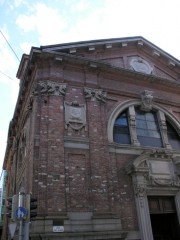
<point x="49" y="88"/>
<point x="95" y="94"/>
<point x="75" y="115"/>
<point x="156" y="181"/>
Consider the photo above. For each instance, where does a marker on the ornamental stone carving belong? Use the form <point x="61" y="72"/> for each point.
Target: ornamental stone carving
<point x="140" y="65"/>
<point x="132" y="124"/>
<point x="153" y="172"/>
<point x="140" y="190"/>
<point x="158" y="167"/>
<point x="147" y="100"/>
<point x="30" y="104"/>
<point x="75" y="115"/>
<point x="172" y="182"/>
<point x="49" y="88"/>
<point x="95" y="94"/>
<point x="162" y="172"/>
<point x="163" y="127"/>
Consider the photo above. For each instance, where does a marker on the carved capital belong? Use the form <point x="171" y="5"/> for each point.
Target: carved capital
<point x="140" y="189"/>
<point x="49" y="88"/>
<point x="95" y="94"/>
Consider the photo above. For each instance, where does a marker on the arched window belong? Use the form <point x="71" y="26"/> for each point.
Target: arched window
<point x="121" y="129"/>
<point x="173" y="137"/>
<point x="147" y="129"/>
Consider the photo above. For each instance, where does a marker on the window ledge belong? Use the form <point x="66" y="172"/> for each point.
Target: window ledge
<point x="135" y="150"/>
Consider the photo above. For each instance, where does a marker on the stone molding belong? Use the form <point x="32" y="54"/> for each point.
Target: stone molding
<point x="76" y="142"/>
<point x="49" y="88"/>
<point x="95" y="94"/>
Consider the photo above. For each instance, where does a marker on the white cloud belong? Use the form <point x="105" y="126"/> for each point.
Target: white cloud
<point x="1" y="2"/>
<point x="47" y="21"/>
<point x="26" y="23"/>
<point x="82" y="20"/>
<point x="81" y="5"/>
<point x="17" y="3"/>
<point x="26" y="47"/>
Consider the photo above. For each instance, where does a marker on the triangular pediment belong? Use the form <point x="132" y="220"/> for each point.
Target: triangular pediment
<point x="133" y="53"/>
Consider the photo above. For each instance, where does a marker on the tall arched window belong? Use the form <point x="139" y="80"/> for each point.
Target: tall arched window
<point x="121" y="129"/>
<point x="148" y="129"/>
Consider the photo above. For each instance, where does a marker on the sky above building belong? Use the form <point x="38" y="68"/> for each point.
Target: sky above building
<point x="27" y="23"/>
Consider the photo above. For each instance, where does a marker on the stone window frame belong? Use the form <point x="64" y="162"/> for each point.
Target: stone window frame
<point x="144" y="185"/>
<point x="130" y="105"/>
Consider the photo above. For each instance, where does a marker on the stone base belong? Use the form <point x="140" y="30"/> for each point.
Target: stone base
<point x="78" y="226"/>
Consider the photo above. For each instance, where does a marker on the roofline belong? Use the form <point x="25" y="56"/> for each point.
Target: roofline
<point x="87" y="43"/>
<point x="90" y="42"/>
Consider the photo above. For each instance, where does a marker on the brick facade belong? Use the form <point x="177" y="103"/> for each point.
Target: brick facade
<point x="59" y="145"/>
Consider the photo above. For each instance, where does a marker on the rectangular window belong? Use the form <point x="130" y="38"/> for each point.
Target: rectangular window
<point x="147" y="129"/>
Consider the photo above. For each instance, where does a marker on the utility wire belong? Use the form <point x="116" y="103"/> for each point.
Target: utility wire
<point x="9" y="45"/>
<point x="8" y="76"/>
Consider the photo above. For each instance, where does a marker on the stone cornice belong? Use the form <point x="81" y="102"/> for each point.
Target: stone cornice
<point x="108" y="68"/>
<point x="90" y="45"/>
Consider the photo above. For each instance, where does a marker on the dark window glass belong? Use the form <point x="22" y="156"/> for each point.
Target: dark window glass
<point x="173" y="137"/>
<point x="121" y="129"/>
<point x="147" y="128"/>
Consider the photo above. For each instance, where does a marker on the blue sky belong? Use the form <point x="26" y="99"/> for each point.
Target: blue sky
<point x="26" y="23"/>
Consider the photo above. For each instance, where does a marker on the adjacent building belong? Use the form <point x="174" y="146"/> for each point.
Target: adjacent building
<point x="95" y="137"/>
<point x="2" y="199"/>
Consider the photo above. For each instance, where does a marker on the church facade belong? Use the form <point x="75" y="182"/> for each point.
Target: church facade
<point x="95" y="137"/>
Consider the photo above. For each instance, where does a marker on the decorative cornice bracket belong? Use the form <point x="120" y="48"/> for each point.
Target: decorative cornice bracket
<point x="95" y="94"/>
<point x="49" y="88"/>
